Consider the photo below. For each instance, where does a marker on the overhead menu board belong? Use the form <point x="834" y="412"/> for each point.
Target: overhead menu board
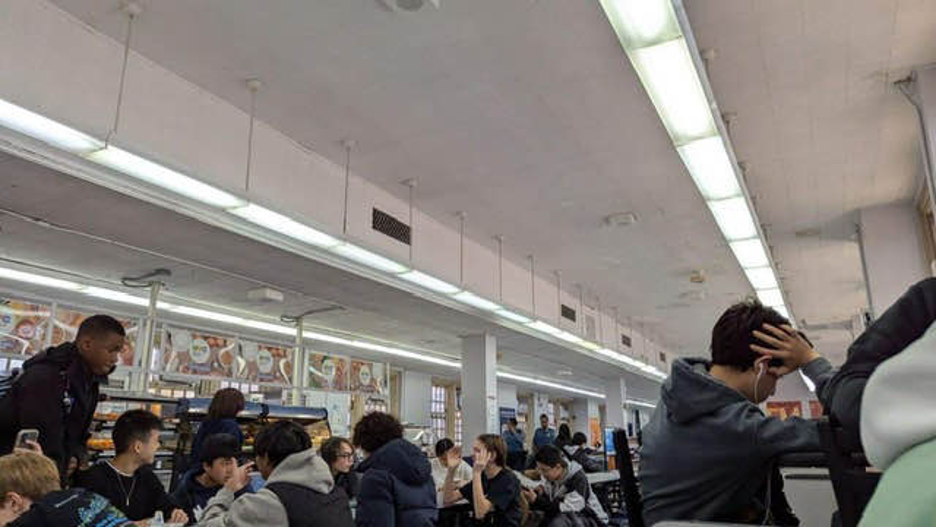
<point x="65" y="328"/>
<point x="261" y="363"/>
<point x="196" y="353"/>
<point x="23" y="326"/>
<point x="368" y="377"/>
<point x="329" y="372"/>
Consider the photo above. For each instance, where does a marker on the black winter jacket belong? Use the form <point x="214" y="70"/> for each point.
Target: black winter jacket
<point x="397" y="487"/>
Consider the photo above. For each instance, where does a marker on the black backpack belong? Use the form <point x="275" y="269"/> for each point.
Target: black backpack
<point x="8" y="381"/>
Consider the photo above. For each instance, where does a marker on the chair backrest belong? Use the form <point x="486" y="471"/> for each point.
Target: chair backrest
<point x="852" y="481"/>
<point x="629" y="487"/>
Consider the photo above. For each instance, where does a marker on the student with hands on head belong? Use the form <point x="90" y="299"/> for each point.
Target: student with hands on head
<point x="494" y="491"/>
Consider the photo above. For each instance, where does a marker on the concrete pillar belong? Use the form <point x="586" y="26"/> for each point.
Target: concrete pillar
<point x="615" y="398"/>
<point x="584" y="409"/>
<point x="479" y="387"/>
<point x="415" y="398"/>
<point x="891" y="251"/>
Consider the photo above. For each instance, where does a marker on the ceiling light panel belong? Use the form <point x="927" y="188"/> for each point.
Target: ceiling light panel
<point x="710" y="167"/>
<point x="479" y="302"/>
<point x="762" y="278"/>
<point x="750" y="253"/>
<point x="430" y="283"/>
<point x="284" y="225"/>
<point x="369" y="259"/>
<point x="154" y="174"/>
<point x="733" y="218"/>
<point x="772" y="297"/>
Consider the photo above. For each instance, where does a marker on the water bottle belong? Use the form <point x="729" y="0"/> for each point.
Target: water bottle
<point x="158" y="519"/>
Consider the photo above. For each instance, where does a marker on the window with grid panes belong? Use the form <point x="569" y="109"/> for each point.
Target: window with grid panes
<point x="458" y="417"/>
<point x="437" y="412"/>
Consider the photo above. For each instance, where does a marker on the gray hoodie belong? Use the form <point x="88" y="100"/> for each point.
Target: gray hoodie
<point x="897" y="411"/>
<point x="707" y="450"/>
<point x="574" y="493"/>
<point x="264" y="508"/>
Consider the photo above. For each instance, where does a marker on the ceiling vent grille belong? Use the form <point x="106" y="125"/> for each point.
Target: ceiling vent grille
<point x="626" y="340"/>
<point x="390" y="226"/>
<point x="663" y="357"/>
<point x="568" y="313"/>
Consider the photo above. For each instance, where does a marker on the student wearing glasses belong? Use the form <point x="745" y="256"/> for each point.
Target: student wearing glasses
<point x="338" y="453"/>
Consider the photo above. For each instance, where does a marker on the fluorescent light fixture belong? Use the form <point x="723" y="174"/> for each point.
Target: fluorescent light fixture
<point x="40" y="280"/>
<point x="591" y="346"/>
<point x="430" y="283"/>
<point x="373" y="260"/>
<point x="733" y="218"/>
<point x="155" y="174"/>
<point x="407" y="354"/>
<point x="543" y="327"/>
<point x="782" y="310"/>
<point x="568" y="336"/>
<point x="711" y="169"/>
<point x="327" y="338"/>
<point x="513" y="316"/>
<point x="750" y="253"/>
<point x="544" y="383"/>
<point x="471" y="299"/>
<point x="670" y="78"/>
<point x="46" y="130"/>
<point x="270" y="327"/>
<point x="762" y="278"/>
<point x="205" y="314"/>
<point x="771" y="297"/>
<point x="284" y="225"/>
<point x="641" y="403"/>
<point x="115" y="295"/>
<point x="639" y="23"/>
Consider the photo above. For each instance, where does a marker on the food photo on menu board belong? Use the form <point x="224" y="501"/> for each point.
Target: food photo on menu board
<point x="65" y="328"/>
<point x="23" y="326"/>
<point x="187" y="352"/>
<point x="265" y="363"/>
<point x="328" y="372"/>
<point x="368" y="377"/>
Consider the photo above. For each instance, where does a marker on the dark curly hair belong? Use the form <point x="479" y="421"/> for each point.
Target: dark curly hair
<point x="733" y="334"/>
<point x="332" y="448"/>
<point x="375" y="430"/>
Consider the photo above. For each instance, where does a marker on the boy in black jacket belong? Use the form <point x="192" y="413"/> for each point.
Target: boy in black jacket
<point x="127" y="481"/>
<point x="219" y="455"/>
<point x="58" y="391"/>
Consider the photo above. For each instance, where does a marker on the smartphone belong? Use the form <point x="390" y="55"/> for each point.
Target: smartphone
<point x="26" y="435"/>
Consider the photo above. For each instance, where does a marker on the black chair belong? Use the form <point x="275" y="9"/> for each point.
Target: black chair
<point x="633" y="501"/>
<point x="852" y="481"/>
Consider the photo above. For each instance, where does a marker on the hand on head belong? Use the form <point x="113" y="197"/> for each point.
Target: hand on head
<point x="787" y="345"/>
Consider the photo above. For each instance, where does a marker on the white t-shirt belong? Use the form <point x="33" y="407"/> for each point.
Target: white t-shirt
<point x="462" y="474"/>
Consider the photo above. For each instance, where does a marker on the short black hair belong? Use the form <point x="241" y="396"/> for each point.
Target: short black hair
<point x="579" y="438"/>
<point x="549" y="456"/>
<point x="375" y="430"/>
<point x="331" y="448"/>
<point x="544" y="416"/>
<point x="281" y="439"/>
<point x="99" y="325"/>
<point x="443" y="446"/>
<point x="221" y="445"/>
<point x="513" y="421"/>
<point x="564" y="431"/>
<point x="733" y="334"/>
<point x="133" y="426"/>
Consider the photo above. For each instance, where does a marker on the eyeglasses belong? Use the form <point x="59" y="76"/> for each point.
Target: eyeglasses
<point x="346" y="455"/>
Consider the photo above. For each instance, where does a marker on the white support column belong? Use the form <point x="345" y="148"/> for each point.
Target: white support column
<point x="615" y="397"/>
<point x="415" y="400"/>
<point x="584" y="409"/>
<point x="892" y="255"/>
<point x="479" y="387"/>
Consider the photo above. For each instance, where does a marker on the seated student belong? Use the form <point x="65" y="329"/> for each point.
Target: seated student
<point x="566" y="497"/>
<point x="898" y="430"/>
<point x="578" y="452"/>
<point x="440" y="470"/>
<point x="708" y="448"/>
<point x="338" y="453"/>
<point x="128" y="481"/>
<point x="900" y="325"/>
<point x="494" y="491"/>
<point x="299" y="489"/>
<point x="222" y="418"/>
<point x="218" y="461"/>
<point x="396" y="489"/>
<point x="30" y="495"/>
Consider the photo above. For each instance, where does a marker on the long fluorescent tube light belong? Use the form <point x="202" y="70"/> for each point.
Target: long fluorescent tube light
<point x="641" y="403"/>
<point x="479" y="302"/>
<point x="407" y="354"/>
<point x="782" y="310"/>
<point x="594" y="347"/>
<point x="568" y="336"/>
<point x="733" y="218"/>
<point x="373" y="260"/>
<point x="544" y="383"/>
<point x="771" y="297"/>
<point x="762" y="278"/>
<point x="206" y="314"/>
<point x="40" y="280"/>
<point x="750" y="253"/>
<point x="640" y="23"/>
<point x="544" y="327"/>
<point x="430" y="283"/>
<point x="114" y="295"/>
<point x="670" y="78"/>
<point x="46" y="130"/>
<point x="513" y="316"/>
<point x="284" y="225"/>
<point x="143" y="169"/>
<point x="710" y="167"/>
<point x="269" y="327"/>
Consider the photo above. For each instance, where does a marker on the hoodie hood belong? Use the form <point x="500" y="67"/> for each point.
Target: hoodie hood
<point x="897" y="411"/>
<point x="401" y="459"/>
<point x="570" y="450"/>
<point x="60" y="355"/>
<point x="305" y="469"/>
<point x="690" y="392"/>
